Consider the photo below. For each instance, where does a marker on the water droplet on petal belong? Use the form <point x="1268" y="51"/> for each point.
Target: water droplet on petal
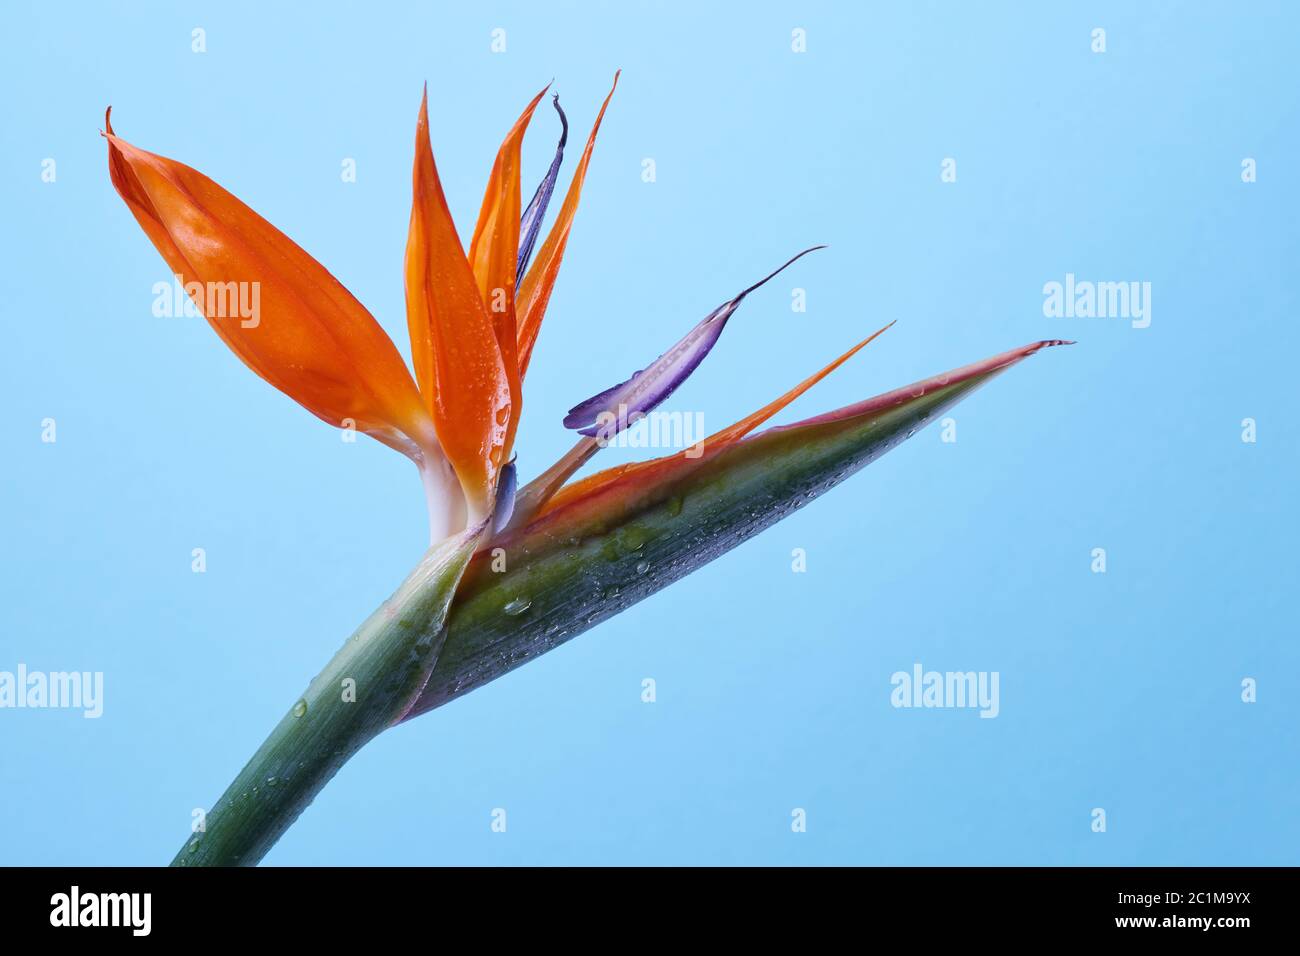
<point x="517" y="606"/>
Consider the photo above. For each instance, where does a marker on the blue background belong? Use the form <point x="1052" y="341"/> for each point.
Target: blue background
<point x="1118" y="690"/>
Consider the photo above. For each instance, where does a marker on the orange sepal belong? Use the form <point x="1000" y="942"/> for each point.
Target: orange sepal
<point x="494" y="252"/>
<point x="453" y="343"/>
<point x="295" y="325"/>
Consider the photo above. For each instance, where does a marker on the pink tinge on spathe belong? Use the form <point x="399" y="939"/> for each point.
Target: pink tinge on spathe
<point x="996" y="363"/>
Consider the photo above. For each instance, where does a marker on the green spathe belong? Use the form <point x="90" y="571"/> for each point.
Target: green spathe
<point x="577" y="569"/>
<point x="564" y="573"/>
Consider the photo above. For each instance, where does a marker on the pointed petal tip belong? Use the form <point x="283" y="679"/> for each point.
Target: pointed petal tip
<point x="776" y="272"/>
<point x="564" y="121"/>
<point x="649" y="387"/>
<point x="1033" y="347"/>
<point x="986" y="367"/>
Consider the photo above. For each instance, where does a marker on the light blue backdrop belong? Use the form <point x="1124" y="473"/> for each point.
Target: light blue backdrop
<point x="1119" y="691"/>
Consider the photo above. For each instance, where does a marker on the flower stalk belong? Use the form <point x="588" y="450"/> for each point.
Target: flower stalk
<point x="370" y="684"/>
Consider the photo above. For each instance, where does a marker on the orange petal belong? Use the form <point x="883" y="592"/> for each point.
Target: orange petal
<point x="494" y="253"/>
<point x="715" y="443"/>
<point x="454" y="346"/>
<point x="275" y="306"/>
<point x="535" y="292"/>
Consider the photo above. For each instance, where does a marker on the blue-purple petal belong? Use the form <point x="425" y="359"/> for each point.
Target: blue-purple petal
<point x="584" y="413"/>
<point x="530" y="224"/>
<point x="608" y="412"/>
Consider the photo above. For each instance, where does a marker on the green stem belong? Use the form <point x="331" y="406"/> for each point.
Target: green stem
<point x="369" y="685"/>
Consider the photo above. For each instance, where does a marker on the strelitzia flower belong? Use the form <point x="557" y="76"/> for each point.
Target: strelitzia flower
<point x="474" y="312"/>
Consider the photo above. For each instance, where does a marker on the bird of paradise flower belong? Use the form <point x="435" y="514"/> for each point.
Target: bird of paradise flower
<point x="473" y="316"/>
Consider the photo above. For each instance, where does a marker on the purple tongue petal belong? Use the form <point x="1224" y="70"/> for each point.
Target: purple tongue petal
<point x="582" y="414"/>
<point x="608" y="412"/>
<point x="530" y="224"/>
